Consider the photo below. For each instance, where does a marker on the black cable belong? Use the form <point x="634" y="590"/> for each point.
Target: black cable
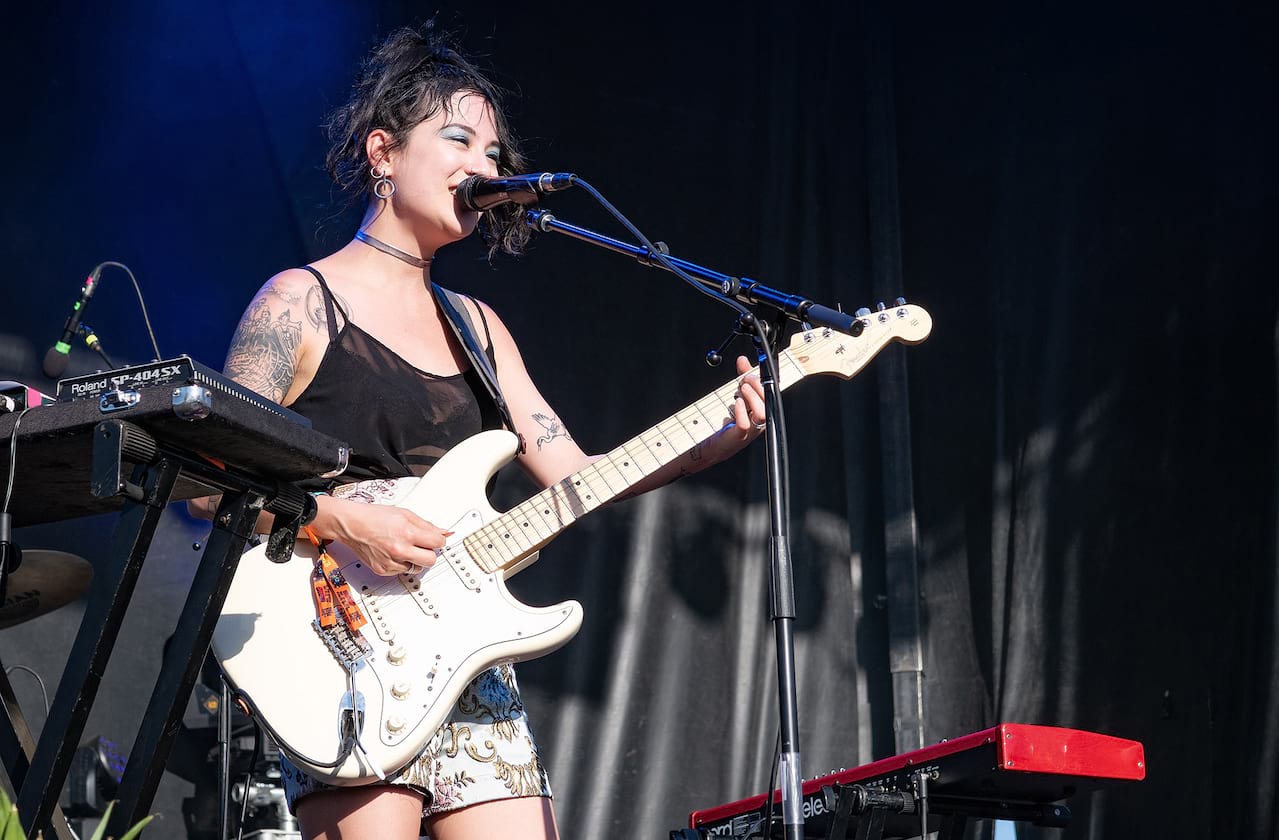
<point x="349" y="743"/>
<point x="43" y="691"/>
<point x="248" y="777"/>
<point x="777" y="416"/>
<point x="772" y="785"/>
<point x="13" y="457"/>
<point x="660" y="257"/>
<point x="766" y="348"/>
<point x="146" y="319"/>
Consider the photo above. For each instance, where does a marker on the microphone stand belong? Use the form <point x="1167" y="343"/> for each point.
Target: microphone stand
<point x="781" y="582"/>
<point x="743" y="289"/>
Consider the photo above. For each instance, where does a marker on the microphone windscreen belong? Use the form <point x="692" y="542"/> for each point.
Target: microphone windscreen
<point x="55" y="363"/>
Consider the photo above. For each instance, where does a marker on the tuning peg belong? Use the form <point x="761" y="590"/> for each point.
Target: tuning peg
<point x="881" y="306"/>
<point x="901" y="301"/>
<point x="862" y="313"/>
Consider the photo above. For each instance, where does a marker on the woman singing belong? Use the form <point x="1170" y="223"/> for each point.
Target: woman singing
<point x="357" y="342"/>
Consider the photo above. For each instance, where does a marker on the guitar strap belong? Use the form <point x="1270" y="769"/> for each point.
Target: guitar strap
<point x="459" y="318"/>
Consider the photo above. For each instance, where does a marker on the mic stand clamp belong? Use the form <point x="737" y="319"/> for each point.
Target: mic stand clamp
<point x="743" y="327"/>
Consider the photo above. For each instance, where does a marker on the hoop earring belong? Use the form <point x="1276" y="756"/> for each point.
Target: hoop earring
<point x="383" y="186"/>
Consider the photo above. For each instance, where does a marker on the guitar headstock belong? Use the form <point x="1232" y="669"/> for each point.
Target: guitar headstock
<point x="825" y="350"/>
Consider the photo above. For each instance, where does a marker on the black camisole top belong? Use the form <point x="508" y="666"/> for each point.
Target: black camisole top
<point x="397" y="419"/>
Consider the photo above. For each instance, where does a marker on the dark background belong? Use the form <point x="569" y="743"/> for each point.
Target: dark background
<point x="1082" y="196"/>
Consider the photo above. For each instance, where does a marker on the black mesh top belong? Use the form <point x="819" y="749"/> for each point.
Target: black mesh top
<point x="397" y="419"/>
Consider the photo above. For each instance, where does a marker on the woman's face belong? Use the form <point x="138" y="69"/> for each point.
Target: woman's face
<point x="439" y="153"/>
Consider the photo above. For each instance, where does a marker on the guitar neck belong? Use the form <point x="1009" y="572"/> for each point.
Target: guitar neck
<point x="504" y="542"/>
<point x="508" y="540"/>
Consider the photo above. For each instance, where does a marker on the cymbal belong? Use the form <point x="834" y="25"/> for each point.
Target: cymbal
<point x="45" y="581"/>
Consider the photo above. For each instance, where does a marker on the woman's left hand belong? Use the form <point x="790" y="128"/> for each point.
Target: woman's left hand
<point x="748" y="405"/>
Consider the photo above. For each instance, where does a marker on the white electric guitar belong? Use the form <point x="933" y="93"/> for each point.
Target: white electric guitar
<point x="350" y="707"/>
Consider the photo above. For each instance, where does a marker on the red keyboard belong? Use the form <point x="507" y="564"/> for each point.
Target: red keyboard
<point x="1010" y="771"/>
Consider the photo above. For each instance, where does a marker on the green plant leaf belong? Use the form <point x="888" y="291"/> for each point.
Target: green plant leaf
<point x="12" y="825"/>
<point x="137" y="829"/>
<point x="101" y="830"/>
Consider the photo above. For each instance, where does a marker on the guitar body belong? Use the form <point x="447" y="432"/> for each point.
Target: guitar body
<point x="428" y="635"/>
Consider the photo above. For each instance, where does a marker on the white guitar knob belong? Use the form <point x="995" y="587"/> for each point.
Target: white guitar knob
<point x="394" y="724"/>
<point x="397" y="655"/>
<point x="401" y="690"/>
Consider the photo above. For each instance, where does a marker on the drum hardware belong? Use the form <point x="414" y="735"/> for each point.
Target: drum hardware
<point x="42" y="582"/>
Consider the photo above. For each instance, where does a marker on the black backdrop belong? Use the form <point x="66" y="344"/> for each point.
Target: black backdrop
<point x="1081" y="195"/>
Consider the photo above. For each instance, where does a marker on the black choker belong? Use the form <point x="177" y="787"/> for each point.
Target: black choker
<point x="373" y="242"/>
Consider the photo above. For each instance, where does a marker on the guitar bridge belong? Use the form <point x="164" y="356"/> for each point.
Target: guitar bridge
<point x="347" y="647"/>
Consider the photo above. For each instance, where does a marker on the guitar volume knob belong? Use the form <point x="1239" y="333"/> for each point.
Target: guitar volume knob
<point x="401" y="690"/>
<point x="394" y="724"/>
<point x="397" y="655"/>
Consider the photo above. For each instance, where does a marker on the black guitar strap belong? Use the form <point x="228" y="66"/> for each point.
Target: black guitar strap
<point x="455" y="312"/>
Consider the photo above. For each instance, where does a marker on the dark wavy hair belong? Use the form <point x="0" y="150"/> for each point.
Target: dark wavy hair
<point x="407" y="79"/>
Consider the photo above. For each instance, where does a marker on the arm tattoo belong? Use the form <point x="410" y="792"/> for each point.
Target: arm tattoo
<point x="317" y="313"/>
<point x="315" y="307"/>
<point x="263" y="354"/>
<point x="554" y="429"/>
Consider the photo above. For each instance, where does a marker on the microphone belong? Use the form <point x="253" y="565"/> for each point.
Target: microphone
<point x="55" y="361"/>
<point x="480" y="193"/>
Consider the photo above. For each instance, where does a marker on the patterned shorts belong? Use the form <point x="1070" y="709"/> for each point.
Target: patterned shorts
<point x="483" y="752"/>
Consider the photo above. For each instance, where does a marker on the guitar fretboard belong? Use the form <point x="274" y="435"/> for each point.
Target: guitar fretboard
<point x="531" y="524"/>
<point x="508" y="540"/>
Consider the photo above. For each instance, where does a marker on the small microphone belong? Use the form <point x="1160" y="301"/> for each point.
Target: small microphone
<point x="55" y="361"/>
<point x="480" y="193"/>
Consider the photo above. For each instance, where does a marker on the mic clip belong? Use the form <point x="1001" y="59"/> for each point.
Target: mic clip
<point x="92" y="341"/>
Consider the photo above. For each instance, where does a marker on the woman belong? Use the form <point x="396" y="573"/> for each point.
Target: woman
<point x="357" y="343"/>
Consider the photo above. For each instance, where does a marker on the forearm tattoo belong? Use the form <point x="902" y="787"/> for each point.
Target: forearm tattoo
<point x="263" y="354"/>
<point x="554" y="429"/>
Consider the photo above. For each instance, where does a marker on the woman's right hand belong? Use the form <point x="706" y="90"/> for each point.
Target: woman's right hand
<point x="389" y="540"/>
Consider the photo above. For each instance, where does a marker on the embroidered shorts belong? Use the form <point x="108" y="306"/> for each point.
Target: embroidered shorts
<point x="483" y="752"/>
<point x="485" y="749"/>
